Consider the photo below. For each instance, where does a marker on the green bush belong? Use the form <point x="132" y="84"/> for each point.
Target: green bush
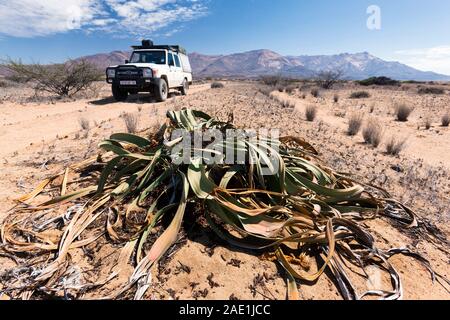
<point x="379" y="81"/>
<point x="63" y="79"/>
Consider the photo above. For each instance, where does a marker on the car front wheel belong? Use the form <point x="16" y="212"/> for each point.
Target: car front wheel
<point x="119" y="94"/>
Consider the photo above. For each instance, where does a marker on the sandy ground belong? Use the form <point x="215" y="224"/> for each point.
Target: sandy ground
<point x="432" y="145"/>
<point x="39" y="139"/>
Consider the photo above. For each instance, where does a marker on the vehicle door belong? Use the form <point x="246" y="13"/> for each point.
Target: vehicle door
<point x="173" y="77"/>
<point x="179" y="69"/>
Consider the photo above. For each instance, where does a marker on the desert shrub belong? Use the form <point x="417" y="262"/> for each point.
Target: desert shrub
<point x="394" y="146"/>
<point x="217" y="85"/>
<point x="270" y="80"/>
<point x="131" y="122"/>
<point x="379" y="81"/>
<point x="315" y="92"/>
<point x="373" y="133"/>
<point x="64" y="79"/>
<point x="360" y="95"/>
<point x="336" y="98"/>
<point x="445" y="120"/>
<point x="402" y="112"/>
<point x="355" y="123"/>
<point x="431" y="90"/>
<point x="327" y="79"/>
<point x="311" y="113"/>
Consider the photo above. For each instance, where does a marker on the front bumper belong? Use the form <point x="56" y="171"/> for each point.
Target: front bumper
<point x="141" y="83"/>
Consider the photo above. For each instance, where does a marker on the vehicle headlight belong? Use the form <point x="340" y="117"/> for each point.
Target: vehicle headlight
<point x="147" y="73"/>
<point x="111" y="73"/>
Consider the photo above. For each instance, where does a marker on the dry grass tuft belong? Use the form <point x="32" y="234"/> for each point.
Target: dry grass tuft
<point x="427" y="123"/>
<point x="445" y="121"/>
<point x="84" y="124"/>
<point x="311" y="113"/>
<point x="290" y="89"/>
<point x="394" y="146"/>
<point x="288" y="104"/>
<point x="373" y="133"/>
<point x="402" y="112"/>
<point x="355" y="123"/>
<point x="217" y="85"/>
<point x="315" y="92"/>
<point x="131" y="122"/>
<point x="360" y="95"/>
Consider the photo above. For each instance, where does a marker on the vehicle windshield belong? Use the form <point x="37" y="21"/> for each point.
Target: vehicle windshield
<point x="156" y="57"/>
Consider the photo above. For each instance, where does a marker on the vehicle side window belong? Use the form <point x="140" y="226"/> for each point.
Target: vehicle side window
<point x="171" y="61"/>
<point x="177" y="61"/>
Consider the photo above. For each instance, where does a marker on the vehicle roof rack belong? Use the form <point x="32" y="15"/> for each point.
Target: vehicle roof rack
<point x="148" y="44"/>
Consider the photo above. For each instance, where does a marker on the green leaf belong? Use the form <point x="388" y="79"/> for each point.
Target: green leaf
<point x="131" y="139"/>
<point x="199" y="182"/>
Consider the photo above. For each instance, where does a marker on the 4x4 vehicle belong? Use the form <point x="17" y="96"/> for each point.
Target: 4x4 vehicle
<point x="152" y="68"/>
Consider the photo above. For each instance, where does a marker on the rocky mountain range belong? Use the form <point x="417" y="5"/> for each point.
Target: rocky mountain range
<point x="262" y="62"/>
<point x="265" y="62"/>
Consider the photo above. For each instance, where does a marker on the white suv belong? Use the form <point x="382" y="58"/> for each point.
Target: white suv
<point x="154" y="69"/>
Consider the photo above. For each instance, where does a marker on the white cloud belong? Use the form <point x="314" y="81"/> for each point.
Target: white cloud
<point x="27" y="18"/>
<point x="435" y="59"/>
<point x="31" y="18"/>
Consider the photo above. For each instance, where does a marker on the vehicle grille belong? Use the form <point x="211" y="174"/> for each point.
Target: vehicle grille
<point x="128" y="73"/>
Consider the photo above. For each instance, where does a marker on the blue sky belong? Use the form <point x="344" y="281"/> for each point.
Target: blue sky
<point x="415" y="32"/>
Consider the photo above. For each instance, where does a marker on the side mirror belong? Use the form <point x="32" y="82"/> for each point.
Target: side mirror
<point x="127" y="61"/>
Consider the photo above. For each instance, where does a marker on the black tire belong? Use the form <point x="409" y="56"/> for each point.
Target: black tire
<point x="161" y="90"/>
<point x="185" y="88"/>
<point x="119" y="94"/>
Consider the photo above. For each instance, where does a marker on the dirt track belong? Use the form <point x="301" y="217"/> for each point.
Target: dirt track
<point x="44" y="122"/>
